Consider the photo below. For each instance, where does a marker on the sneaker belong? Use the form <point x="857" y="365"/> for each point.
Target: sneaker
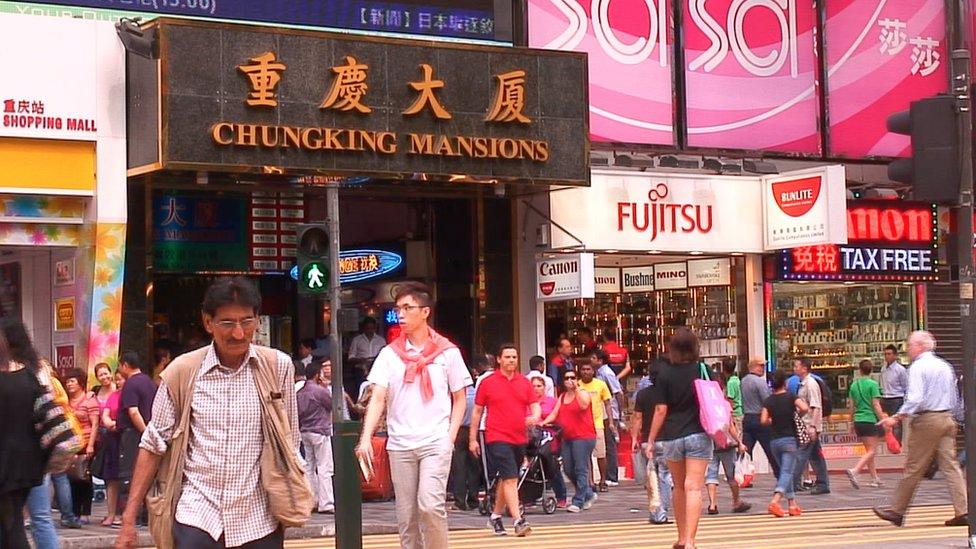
<point x="589" y="503"/>
<point x="775" y="510"/>
<point x="874" y="483"/>
<point x="497" y="526"/>
<point x="819" y="491"/>
<point x="561" y="503"/>
<point x="655" y="518"/>
<point x="795" y="511"/>
<point x="573" y="509"/>
<point x="612" y="483"/>
<point x="853" y="478"/>
<point x="72" y="524"/>
<point x="522" y="528"/>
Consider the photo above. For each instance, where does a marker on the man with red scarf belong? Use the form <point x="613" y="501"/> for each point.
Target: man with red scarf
<point x="423" y="377"/>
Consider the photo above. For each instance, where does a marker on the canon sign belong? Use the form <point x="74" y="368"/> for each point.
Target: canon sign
<point x="657" y="217"/>
<point x="565" y="277"/>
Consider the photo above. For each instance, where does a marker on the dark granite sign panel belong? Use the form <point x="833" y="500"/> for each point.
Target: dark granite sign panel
<point x="245" y="98"/>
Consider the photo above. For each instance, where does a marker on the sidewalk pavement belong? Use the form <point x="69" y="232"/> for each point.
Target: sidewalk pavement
<point x="624" y="502"/>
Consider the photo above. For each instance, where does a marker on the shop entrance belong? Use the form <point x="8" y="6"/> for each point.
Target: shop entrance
<point x="644" y="299"/>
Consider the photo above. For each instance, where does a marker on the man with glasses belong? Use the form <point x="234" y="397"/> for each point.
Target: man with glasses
<point x="212" y="391"/>
<point x="422" y="375"/>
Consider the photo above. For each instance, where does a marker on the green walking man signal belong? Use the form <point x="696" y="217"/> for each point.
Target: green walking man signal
<point x="312" y="255"/>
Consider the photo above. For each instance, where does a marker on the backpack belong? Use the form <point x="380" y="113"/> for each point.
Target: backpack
<point x="826" y="397"/>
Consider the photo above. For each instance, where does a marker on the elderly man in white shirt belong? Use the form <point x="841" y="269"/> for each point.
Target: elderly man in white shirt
<point x="537" y="368"/>
<point x="929" y="402"/>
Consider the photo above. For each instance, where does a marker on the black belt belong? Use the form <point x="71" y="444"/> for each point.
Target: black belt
<point x="932" y="412"/>
<point x="891" y="398"/>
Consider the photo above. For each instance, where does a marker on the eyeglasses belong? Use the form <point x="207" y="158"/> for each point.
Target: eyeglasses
<point x="244" y="323"/>
<point x="407" y="308"/>
<point x="567" y="378"/>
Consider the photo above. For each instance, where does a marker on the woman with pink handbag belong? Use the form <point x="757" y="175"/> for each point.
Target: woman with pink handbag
<point x="677" y="425"/>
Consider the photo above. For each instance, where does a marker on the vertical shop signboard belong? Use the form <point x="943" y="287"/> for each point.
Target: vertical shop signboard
<point x="64" y="359"/>
<point x="64" y="314"/>
<point x="64" y="272"/>
<point x="606" y="280"/>
<point x="193" y="233"/>
<point x="880" y="57"/>
<point x="629" y="47"/>
<point x="887" y="241"/>
<point x="274" y="218"/>
<point x="565" y="277"/>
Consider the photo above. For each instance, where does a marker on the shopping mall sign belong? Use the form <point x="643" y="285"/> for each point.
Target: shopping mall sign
<point x="281" y="101"/>
<point x="641" y="212"/>
<point x="887" y="241"/>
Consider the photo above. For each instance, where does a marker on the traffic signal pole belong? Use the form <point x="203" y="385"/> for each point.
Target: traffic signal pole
<point x="345" y="433"/>
<point x="967" y="278"/>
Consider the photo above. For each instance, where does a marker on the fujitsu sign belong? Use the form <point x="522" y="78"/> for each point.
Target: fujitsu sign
<point x="656" y="216"/>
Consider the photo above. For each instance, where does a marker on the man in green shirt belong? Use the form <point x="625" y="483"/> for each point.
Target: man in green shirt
<point x="733" y="391"/>
<point x="865" y="402"/>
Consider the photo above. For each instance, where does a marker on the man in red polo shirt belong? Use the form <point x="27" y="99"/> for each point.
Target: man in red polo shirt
<point x="508" y="394"/>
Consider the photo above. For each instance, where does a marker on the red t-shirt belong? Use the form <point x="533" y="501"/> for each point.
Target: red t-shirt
<point x="616" y="354"/>
<point x="507" y="400"/>
<point x="577" y="422"/>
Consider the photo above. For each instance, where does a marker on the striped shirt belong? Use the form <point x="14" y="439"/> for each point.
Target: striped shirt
<point x="931" y="386"/>
<point x="222" y="493"/>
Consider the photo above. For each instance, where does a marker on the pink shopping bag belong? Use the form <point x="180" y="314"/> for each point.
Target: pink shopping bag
<point x="714" y="410"/>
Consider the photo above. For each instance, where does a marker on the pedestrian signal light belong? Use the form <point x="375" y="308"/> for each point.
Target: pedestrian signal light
<point x="313" y="258"/>
<point x="933" y="170"/>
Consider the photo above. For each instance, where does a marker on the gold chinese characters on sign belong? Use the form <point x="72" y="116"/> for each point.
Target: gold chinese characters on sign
<point x="348" y="92"/>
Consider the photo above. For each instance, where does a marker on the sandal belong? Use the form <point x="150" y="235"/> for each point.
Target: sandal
<point x="713" y="510"/>
<point x="107" y="522"/>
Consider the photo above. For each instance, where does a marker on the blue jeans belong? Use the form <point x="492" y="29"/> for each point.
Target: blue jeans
<point x="664" y="480"/>
<point x="813" y="454"/>
<point x="753" y="432"/>
<point x="576" y="463"/>
<point x="62" y="490"/>
<point x="42" y="526"/>
<point x="784" y="450"/>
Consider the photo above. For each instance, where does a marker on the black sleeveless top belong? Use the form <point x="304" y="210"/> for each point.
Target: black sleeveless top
<point x="22" y="460"/>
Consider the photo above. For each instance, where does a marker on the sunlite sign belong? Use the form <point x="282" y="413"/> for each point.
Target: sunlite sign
<point x="565" y="277"/>
<point x="805" y="207"/>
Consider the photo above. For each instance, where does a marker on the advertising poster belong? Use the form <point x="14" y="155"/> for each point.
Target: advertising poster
<point x="630" y="61"/>
<point x="880" y="57"/>
<point x="199" y="233"/>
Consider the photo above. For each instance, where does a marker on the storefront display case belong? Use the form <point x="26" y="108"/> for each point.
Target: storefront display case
<point x="835" y="326"/>
<point x="644" y="322"/>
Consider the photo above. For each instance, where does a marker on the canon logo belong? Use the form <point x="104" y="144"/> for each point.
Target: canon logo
<point x="558" y="268"/>
<point x="605" y="280"/>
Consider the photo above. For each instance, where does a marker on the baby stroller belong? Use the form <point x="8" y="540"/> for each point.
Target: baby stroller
<point x="535" y="475"/>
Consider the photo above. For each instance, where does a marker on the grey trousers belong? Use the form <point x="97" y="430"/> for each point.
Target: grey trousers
<point x="420" y="484"/>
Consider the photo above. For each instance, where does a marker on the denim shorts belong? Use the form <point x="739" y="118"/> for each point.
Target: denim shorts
<point x="696" y="446"/>
<point x="725" y="458"/>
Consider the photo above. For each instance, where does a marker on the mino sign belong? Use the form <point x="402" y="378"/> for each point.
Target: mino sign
<point x="887" y="241"/>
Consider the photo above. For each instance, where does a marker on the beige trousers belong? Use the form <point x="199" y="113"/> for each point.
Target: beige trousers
<point x="932" y="434"/>
<point x="420" y="484"/>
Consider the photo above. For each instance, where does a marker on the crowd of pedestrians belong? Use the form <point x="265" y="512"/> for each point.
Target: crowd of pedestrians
<point x="233" y="443"/>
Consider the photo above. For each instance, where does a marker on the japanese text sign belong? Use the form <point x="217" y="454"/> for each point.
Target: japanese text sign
<point x="880" y="57"/>
<point x="315" y="102"/>
<point x="887" y="241"/>
<point x="630" y="60"/>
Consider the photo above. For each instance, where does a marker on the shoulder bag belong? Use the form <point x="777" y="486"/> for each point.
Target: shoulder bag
<point x="283" y="477"/>
<point x="59" y="440"/>
<point x="714" y="411"/>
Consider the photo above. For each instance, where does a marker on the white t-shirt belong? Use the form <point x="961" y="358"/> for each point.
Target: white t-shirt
<point x="411" y="421"/>
<point x="550" y="389"/>
<point x="363" y="347"/>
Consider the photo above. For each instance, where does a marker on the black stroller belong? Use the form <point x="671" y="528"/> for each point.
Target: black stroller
<point x="535" y="476"/>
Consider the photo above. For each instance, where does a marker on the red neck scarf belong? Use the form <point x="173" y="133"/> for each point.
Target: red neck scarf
<point x="417" y="363"/>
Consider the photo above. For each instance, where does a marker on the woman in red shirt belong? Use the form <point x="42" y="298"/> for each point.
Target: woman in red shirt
<point x="573" y="414"/>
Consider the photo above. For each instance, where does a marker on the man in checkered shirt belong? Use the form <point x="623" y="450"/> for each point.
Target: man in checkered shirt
<point x="223" y="503"/>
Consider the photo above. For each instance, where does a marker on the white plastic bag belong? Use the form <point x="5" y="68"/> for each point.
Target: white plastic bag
<point x="745" y="470"/>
